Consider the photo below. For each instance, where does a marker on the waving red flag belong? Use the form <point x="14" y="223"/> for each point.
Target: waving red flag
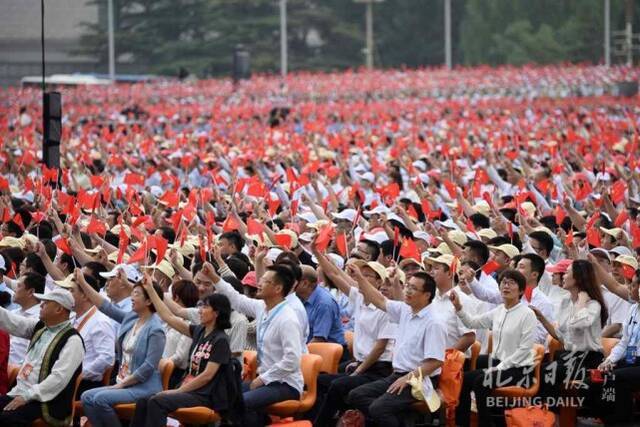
<point x="324" y="237"/>
<point x="134" y="179"/>
<point x="230" y="224"/>
<point x="96" y="226"/>
<point x="63" y="245"/>
<point x="254" y="227"/>
<point x="123" y="242"/>
<point x="569" y="240"/>
<point x="491" y="266"/>
<point x="451" y="188"/>
<point x="560" y="214"/>
<point x="139" y="255"/>
<point x="171" y="198"/>
<point x="17" y="219"/>
<point x="622" y="217"/>
<point x="409" y="249"/>
<point x="341" y="244"/>
<point x="593" y="237"/>
<point x="283" y="240"/>
<point x="617" y="191"/>
<point x="161" y="248"/>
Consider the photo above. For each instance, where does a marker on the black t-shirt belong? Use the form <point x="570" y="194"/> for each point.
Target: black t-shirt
<point x="204" y="349"/>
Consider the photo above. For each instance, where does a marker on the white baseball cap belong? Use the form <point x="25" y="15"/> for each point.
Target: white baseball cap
<point x="59" y="295"/>
<point x="346" y="214"/>
<point x="133" y="274"/>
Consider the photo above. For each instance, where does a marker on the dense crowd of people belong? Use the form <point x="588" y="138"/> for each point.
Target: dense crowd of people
<point x="402" y="215"/>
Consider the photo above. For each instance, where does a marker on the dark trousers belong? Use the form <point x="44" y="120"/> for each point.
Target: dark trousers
<point x="482" y="383"/>
<point x="153" y="411"/>
<point x="20" y="417"/>
<point x="256" y="401"/>
<point x="382" y="408"/>
<point x="567" y="367"/>
<point x="336" y="387"/>
<point x="626" y="380"/>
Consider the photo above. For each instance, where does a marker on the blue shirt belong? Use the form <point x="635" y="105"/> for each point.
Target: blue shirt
<point x="324" y="317"/>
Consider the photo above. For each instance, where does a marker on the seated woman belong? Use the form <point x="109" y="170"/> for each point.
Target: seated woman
<point x="139" y="347"/>
<point x="580" y="322"/>
<point x="205" y="381"/>
<point x="513" y="326"/>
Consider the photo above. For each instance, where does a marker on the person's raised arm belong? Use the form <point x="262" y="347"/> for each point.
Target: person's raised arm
<point x="367" y="290"/>
<point x="329" y="269"/>
<point x="93" y="295"/>
<point x="608" y="280"/>
<point x="483" y="321"/>
<point x="165" y="314"/>
<point x="97" y="299"/>
<point x="178" y="266"/>
<point x="52" y="269"/>
<point x="239" y="302"/>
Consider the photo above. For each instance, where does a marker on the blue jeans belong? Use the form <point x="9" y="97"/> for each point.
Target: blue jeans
<point x="256" y="401"/>
<point x="98" y="403"/>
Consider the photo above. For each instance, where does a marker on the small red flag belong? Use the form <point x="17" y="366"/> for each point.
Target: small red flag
<point x="294" y="207"/>
<point x="63" y="245"/>
<point x="617" y="191"/>
<point x="470" y="227"/>
<point x="341" y="244"/>
<point x="324" y="237"/>
<point x="635" y="234"/>
<point x="96" y="226"/>
<point x="230" y="224"/>
<point x="17" y="218"/>
<point x="491" y="266"/>
<point x="171" y="198"/>
<point x="409" y="249"/>
<point x="487" y="197"/>
<point x="139" y="255"/>
<point x="622" y="217"/>
<point x="161" y="248"/>
<point x="450" y="187"/>
<point x="593" y="237"/>
<point x="283" y="240"/>
<point x="628" y="272"/>
<point x="6" y="215"/>
<point x="560" y="215"/>
<point x="569" y="240"/>
<point x="38" y="216"/>
<point x="123" y="242"/>
<point x="254" y="227"/>
<point x="134" y="179"/>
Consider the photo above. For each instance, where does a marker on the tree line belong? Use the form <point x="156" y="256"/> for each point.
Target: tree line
<point x="164" y="36"/>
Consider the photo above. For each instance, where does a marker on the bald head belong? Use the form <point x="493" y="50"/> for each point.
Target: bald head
<point x="309" y="274"/>
<point x="308" y="282"/>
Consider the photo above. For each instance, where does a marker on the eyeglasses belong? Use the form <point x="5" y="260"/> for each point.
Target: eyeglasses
<point x="508" y="282"/>
<point x="412" y="289"/>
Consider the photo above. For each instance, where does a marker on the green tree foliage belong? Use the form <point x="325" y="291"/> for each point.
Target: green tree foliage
<point x="541" y="31"/>
<point x="161" y="36"/>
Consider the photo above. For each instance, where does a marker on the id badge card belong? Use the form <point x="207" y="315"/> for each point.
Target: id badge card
<point x="631" y="354"/>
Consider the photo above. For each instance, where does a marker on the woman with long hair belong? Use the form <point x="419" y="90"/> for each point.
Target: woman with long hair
<point x="139" y="345"/>
<point x="205" y="382"/>
<point x="580" y="321"/>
